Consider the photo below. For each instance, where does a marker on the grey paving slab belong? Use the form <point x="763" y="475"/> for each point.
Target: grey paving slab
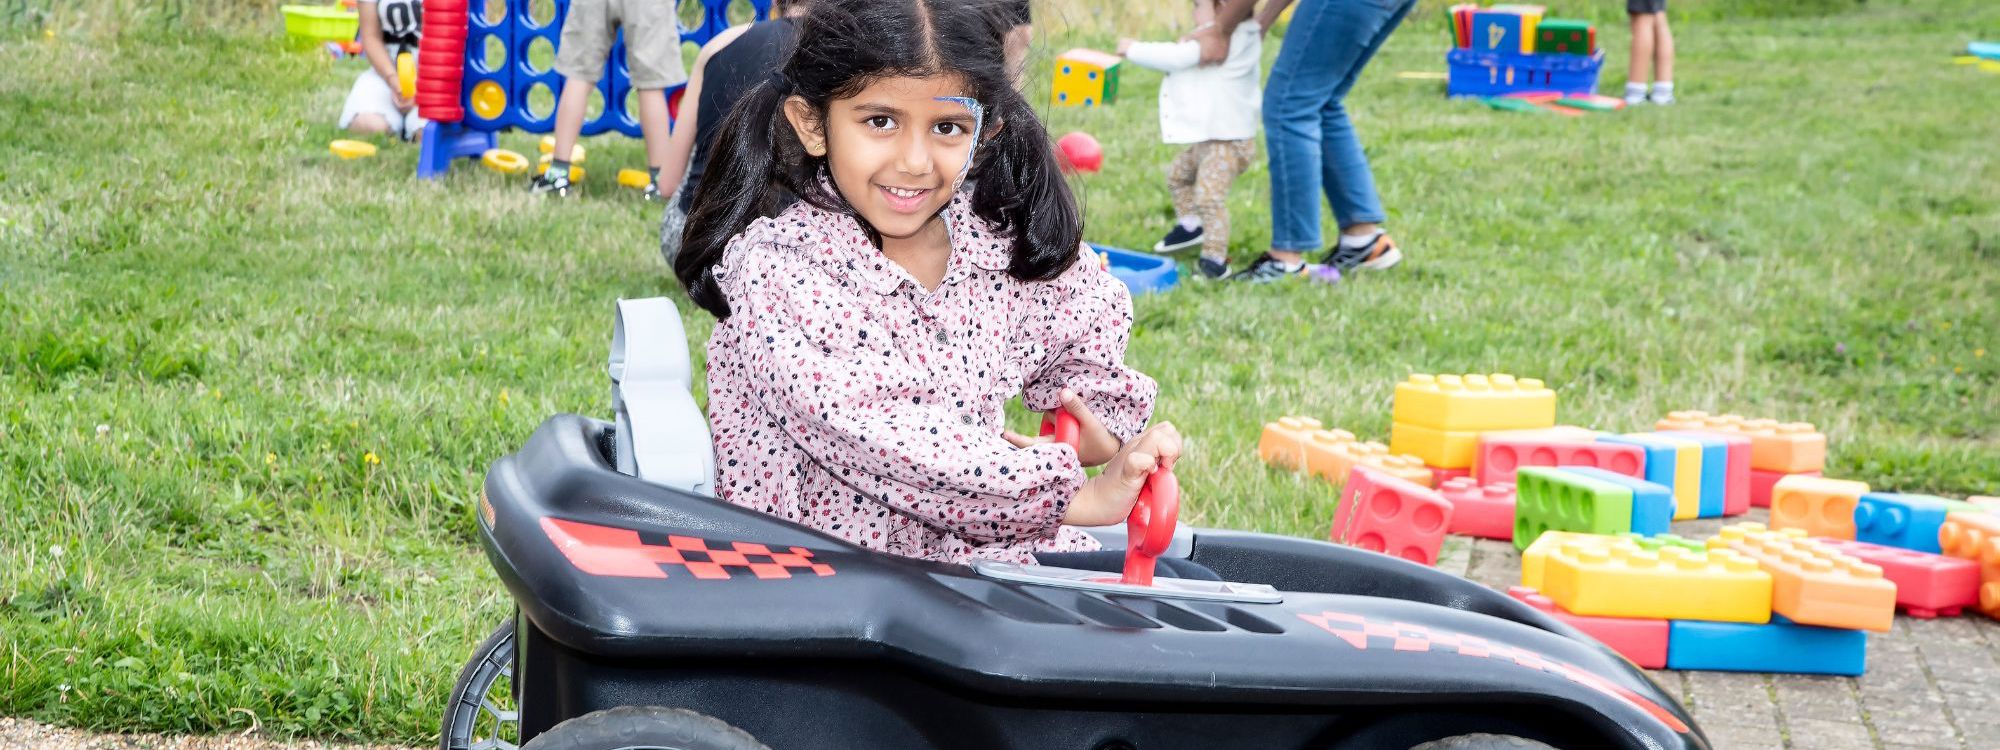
<point x="1743" y="736"/>
<point x="1823" y="734"/>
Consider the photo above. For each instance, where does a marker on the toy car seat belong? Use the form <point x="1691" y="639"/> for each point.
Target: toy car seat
<point x="661" y="436"/>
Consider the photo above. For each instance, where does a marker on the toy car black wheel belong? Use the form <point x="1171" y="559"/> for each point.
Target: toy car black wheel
<point x="1483" y="742"/>
<point x="482" y="714"/>
<point x="644" y="728"/>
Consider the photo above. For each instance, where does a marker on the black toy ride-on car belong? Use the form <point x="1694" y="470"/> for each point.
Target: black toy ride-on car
<point x="653" y="617"/>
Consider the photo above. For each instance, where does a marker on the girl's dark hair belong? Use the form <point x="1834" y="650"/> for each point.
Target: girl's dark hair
<point x="842" y="47"/>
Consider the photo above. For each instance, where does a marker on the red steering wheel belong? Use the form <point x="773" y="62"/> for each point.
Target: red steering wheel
<point x="1150" y="528"/>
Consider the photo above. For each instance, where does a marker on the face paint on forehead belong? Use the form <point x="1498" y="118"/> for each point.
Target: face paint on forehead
<point x="978" y="124"/>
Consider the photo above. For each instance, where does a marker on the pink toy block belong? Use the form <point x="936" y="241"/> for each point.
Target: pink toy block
<point x="1736" y="495"/>
<point x="1927" y="585"/>
<point x="1486" y="512"/>
<point x="1503" y="453"/>
<point x="1642" y="641"/>
<point x="1440" y="476"/>
<point x="1762" y="481"/>
<point x="1391" y="515"/>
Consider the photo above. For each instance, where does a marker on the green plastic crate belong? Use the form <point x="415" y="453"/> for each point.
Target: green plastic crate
<point x="1547" y="499"/>
<point x="309" y="26"/>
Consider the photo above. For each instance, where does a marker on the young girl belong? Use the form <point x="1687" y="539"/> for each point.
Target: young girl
<point x="375" y="105"/>
<point x="869" y="335"/>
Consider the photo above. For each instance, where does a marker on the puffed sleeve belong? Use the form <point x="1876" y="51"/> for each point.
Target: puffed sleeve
<point x="854" y="405"/>
<point x="1082" y="321"/>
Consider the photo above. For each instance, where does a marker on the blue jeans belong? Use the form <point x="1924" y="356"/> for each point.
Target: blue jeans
<point x="1311" y="144"/>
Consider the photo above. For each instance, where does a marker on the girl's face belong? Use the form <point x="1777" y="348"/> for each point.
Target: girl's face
<point x="895" y="151"/>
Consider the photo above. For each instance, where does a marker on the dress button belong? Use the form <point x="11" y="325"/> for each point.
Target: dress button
<point x="965" y="419"/>
<point x="942" y="337"/>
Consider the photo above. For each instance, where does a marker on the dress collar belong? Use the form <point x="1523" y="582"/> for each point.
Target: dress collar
<point x="843" y="245"/>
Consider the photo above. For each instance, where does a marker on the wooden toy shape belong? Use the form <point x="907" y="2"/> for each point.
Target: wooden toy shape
<point x="1640" y="640"/>
<point x="1620" y="579"/>
<point x="1387" y="514"/>
<point x="1927" y="585"/>
<point x="1816" y="505"/>
<point x="1486" y="511"/>
<point x="1811" y="583"/>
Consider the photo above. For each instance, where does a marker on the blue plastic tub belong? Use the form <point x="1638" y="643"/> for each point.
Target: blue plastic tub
<point x="1499" y="73"/>
<point x="1141" y="272"/>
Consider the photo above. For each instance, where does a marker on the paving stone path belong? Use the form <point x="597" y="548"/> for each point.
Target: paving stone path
<point x="1930" y="683"/>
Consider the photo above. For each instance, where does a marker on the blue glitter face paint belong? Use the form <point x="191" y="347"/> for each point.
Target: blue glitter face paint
<point x="978" y="126"/>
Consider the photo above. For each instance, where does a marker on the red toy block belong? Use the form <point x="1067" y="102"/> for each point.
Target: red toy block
<point x="1927" y="585"/>
<point x="1762" y="481"/>
<point x="1440" y="476"/>
<point x="1394" y="516"/>
<point x="1736" y="496"/>
<point x="1501" y="454"/>
<point x="1642" y="641"/>
<point x="1486" y="512"/>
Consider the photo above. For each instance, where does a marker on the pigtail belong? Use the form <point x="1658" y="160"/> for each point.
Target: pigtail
<point x="752" y="150"/>
<point x="1020" y="188"/>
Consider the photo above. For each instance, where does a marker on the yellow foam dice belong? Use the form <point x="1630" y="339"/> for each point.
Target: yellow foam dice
<point x="1535" y="558"/>
<point x="1622" y="579"/>
<point x="1085" y="78"/>
<point x="1474" y="402"/>
<point x="1283" y="443"/>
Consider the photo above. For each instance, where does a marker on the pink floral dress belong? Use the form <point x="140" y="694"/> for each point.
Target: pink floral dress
<point x="846" y="397"/>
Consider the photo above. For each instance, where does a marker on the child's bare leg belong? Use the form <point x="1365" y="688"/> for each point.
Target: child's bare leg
<point x="1663" y="49"/>
<point x="654" y="124"/>
<point x="1642" y="49"/>
<point x="368" y="124"/>
<point x="570" y="108"/>
<point x="1362" y="229"/>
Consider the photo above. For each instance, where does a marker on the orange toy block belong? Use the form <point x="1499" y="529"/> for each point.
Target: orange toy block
<point x="1816" y="505"/>
<point x="1789" y="447"/>
<point x="1975" y="536"/>
<point x="1454" y="403"/>
<point x="1333" y="454"/>
<point x="1284" y="442"/>
<point x="1812" y="583"/>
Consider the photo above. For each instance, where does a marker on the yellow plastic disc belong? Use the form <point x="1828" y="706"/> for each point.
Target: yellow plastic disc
<point x="503" y="161"/>
<point x="489" y="100"/>
<point x="1989" y="66"/>
<point x="1965" y="60"/>
<point x="575" y="171"/>
<point x="347" y="149"/>
<point x="636" y="179"/>
<point x="548" y="146"/>
<point x="406" y="73"/>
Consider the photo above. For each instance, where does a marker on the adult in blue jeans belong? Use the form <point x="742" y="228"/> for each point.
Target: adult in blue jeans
<point x="1308" y="138"/>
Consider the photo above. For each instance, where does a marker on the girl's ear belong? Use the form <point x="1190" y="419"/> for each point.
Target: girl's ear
<point x="806" y="125"/>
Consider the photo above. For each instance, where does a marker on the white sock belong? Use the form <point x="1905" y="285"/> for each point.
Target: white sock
<point x="1663" y="89"/>
<point x="1190" y="223"/>
<point x="1351" y="241"/>
<point x="1635" y="90"/>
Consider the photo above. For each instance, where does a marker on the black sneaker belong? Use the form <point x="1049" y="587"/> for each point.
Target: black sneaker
<point x="1266" y="269"/>
<point x="1380" y="253"/>
<point x="652" y="192"/>
<point x="550" y="184"/>
<point x="1178" y="238"/>
<point x="1211" y="268"/>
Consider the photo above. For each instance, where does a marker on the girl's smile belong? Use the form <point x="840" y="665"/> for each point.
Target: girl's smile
<point x="895" y="151"/>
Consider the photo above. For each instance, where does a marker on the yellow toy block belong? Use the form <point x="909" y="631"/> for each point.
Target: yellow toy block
<point x="1473" y="402"/>
<point x="1443" y="449"/>
<point x="1811" y="582"/>
<point x="1535" y="558"/>
<point x="1333" y="453"/>
<point x="1687" y="476"/>
<point x="1284" y="442"/>
<point x="1817" y="505"/>
<point x="1085" y="78"/>
<point x="1622" y="579"/>
<point x="1784" y="447"/>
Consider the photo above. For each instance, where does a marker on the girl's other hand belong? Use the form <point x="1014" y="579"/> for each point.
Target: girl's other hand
<point x="1125" y="46"/>
<point x="1099" y="445"/>
<point x="1108" y="497"/>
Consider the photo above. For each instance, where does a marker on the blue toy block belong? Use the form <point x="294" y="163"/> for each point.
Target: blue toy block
<point x="1714" y="471"/>
<point x="1474" y="73"/>
<point x="1906" y="521"/>
<point x="1652" y="504"/>
<point x="1779" y="646"/>
<point x="1141" y="272"/>
<point x="1499" y="32"/>
<point x="1661" y="457"/>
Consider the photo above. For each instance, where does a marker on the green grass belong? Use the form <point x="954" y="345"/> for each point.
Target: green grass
<point x="210" y="326"/>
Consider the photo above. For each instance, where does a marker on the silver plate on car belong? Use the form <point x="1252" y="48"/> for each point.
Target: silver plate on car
<point x="1099" y="581"/>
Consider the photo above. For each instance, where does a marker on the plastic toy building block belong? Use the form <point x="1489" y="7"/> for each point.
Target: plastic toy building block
<point x="1283" y="443"/>
<point x="1975" y="537"/>
<point x="1620" y="579"/>
<point x="1547" y="498"/>
<point x="1503" y="453"/>
<point x="1776" y="647"/>
<point x="1671" y="462"/>
<point x="1714" y="477"/>
<point x="1736" y="469"/>
<point x="1817" y="505"/>
<point x="1534" y="560"/>
<point x="1085" y="78"/>
<point x="1504" y="30"/>
<point x="1383" y="513"/>
<point x="1906" y="521"/>
<point x="1474" y="402"/>
<point x="1440" y="475"/>
<point x="1811" y="583"/>
<point x="1988" y="503"/>
<point x="1332" y="454"/>
<point x="1762" y="481"/>
<point x="1564" y="36"/>
<point x="1652" y="505"/>
<point x="1454" y="449"/>
<point x="1927" y="585"/>
<point x="1657" y="541"/>
<point x="1789" y="447"/>
<point x="1644" y="642"/>
<point x="1486" y="512"/>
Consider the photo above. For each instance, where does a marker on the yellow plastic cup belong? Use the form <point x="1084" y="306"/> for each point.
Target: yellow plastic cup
<point x="548" y="146"/>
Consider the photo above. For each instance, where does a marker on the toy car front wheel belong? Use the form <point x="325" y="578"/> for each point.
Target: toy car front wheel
<point x="1483" y="742"/>
<point x="482" y="714"/>
<point x="644" y="728"/>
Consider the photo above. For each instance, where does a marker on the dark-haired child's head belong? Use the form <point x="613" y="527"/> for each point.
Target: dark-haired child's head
<point x="868" y="118"/>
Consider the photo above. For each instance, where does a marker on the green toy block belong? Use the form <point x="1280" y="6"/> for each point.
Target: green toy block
<point x="1562" y="36"/>
<point x="1511" y="104"/>
<point x="1665" y="540"/>
<point x="1547" y="499"/>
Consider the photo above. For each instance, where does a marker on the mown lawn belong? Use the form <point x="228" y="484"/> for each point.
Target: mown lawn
<point x="248" y="391"/>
